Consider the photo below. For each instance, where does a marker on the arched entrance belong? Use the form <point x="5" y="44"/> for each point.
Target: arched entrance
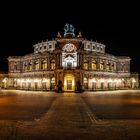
<point x="69" y="82"/>
<point x="69" y="56"/>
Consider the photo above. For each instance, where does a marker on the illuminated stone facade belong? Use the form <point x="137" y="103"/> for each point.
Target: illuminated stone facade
<point x="69" y="59"/>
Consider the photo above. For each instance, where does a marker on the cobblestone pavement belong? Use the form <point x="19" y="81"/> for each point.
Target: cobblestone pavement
<point x="69" y="117"/>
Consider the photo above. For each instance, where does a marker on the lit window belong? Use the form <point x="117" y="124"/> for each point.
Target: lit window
<point x="94" y="66"/>
<point x="86" y="65"/>
<point x="36" y="66"/>
<point x="85" y="80"/>
<point x="44" y="65"/>
<point x="108" y="66"/>
<point x="52" y="64"/>
<point x="30" y="67"/>
<point x="101" y="66"/>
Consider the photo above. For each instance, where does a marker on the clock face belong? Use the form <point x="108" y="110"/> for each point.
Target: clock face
<point x="69" y="47"/>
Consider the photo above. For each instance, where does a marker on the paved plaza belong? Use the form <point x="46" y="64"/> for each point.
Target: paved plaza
<point x="35" y="115"/>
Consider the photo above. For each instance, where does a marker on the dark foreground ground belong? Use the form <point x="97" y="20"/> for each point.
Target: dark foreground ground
<point x="113" y="115"/>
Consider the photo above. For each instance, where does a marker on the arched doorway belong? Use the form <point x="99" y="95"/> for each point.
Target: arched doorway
<point x="69" y="56"/>
<point x="69" y="82"/>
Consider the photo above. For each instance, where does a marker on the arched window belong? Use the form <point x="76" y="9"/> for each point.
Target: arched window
<point x="93" y="47"/>
<point x="25" y="66"/>
<point x="101" y="65"/>
<point x="123" y="67"/>
<point x="52" y="64"/>
<point x="85" y="65"/>
<point x="36" y="65"/>
<point x="113" y="66"/>
<point x="44" y="65"/>
<point x="107" y="66"/>
<point x="94" y="65"/>
<point x="30" y="66"/>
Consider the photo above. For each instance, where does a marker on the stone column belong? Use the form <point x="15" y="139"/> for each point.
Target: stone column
<point x="105" y="65"/>
<point x="40" y="64"/>
<point x="48" y="63"/>
<point x="117" y="67"/>
<point x="98" y="64"/>
<point x="110" y="66"/>
<point x="90" y="63"/>
<point x="33" y="65"/>
<point x="80" y="61"/>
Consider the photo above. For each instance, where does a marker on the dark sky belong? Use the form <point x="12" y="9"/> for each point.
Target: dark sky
<point x="114" y="24"/>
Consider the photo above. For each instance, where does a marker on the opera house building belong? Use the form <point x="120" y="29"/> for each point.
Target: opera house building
<point x="69" y="59"/>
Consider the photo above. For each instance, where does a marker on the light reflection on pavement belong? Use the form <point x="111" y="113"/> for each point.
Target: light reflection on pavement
<point x="87" y="116"/>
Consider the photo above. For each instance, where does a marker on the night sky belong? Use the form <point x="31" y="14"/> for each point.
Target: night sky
<point x="114" y="24"/>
